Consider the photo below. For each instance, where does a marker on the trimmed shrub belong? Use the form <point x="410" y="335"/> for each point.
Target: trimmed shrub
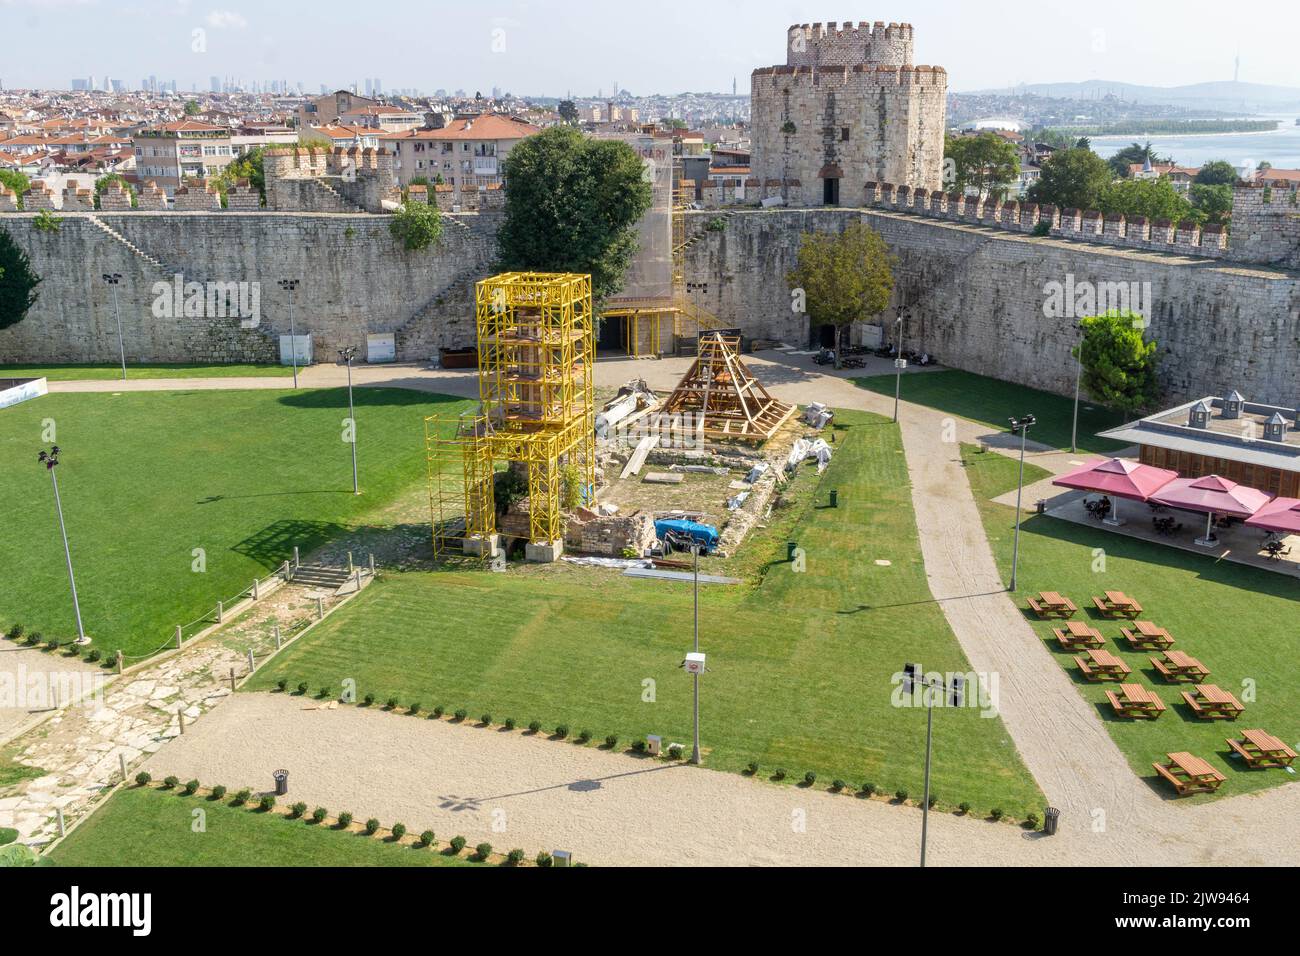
<point x="16" y="632"/>
<point x="457" y="844"/>
<point x="425" y="839"/>
<point x="369" y="700"/>
<point x="809" y="778"/>
<point x="392" y="703"/>
<point x="638" y="746"/>
<point x="414" y="708"/>
<point x="94" y="656"/>
<point x="302" y="688"/>
<point x="778" y="774"/>
<point x="297" y="810"/>
<point x="1031" y="821"/>
<point x="584" y="736"/>
<point x="483" y="851"/>
<point x="191" y="787"/>
<point x="461" y="714"/>
<point x="142" y="778"/>
<point x="486" y="720"/>
<point x="515" y="857"/>
<point x="997" y="813"/>
<point x="52" y="645"/>
<point x="934" y="800"/>
<point x="751" y="768"/>
<point x="543" y="859"/>
<point x="964" y="807"/>
<point x="868" y="789"/>
<point x="839" y="785"/>
<point x="509" y="724"/>
<point x="170" y="783"/>
<point x="611" y="741"/>
<point x="676" y="751"/>
<point x="218" y="792"/>
<point x="399" y="831"/>
<point x="900" y="796"/>
<point x="267" y="803"/>
<point x="34" y="638"/>
<point x="372" y="826"/>
<point x="241" y="797"/>
<point x="562" y="731"/>
<point x="319" y="814"/>
<point x="325" y="693"/>
<point x="438" y="711"/>
<point x="281" y="684"/>
<point x="345" y="820"/>
<point x="534" y="726"/>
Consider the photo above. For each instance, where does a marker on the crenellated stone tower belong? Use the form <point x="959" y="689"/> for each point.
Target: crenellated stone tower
<point x="848" y="108"/>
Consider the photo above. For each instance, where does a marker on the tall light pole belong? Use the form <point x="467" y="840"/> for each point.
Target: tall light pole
<point x="695" y="748"/>
<point x="347" y="355"/>
<point x="113" y="278"/>
<point x="50" y="460"/>
<point x="912" y="676"/>
<point x="900" y="363"/>
<point x="289" y="285"/>
<point x="1021" y="425"/>
<point x="1078" y="381"/>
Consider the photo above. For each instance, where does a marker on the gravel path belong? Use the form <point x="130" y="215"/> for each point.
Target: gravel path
<point x="513" y="790"/>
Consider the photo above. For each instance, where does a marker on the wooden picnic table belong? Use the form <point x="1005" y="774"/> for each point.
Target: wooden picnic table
<point x="1078" y="634"/>
<point x="1102" y="665"/>
<point x="1211" y="702"/>
<point x="1117" y="604"/>
<point x="1053" y="604"/>
<point x="1145" y="636"/>
<point x="1134" y="700"/>
<point x="1189" y="774"/>
<point x="1178" y="666"/>
<point x="1261" y="749"/>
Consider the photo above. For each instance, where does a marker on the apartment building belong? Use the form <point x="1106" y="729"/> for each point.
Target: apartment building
<point x="469" y="151"/>
<point x="185" y="149"/>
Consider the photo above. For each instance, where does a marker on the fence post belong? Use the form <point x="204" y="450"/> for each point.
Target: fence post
<point x="255" y="594"/>
<point x="121" y="762"/>
<point x="296" y="562"/>
<point x="119" y="661"/>
<point x="320" y="609"/>
<point x="180" y="720"/>
<point x="349" y="562"/>
<point x="251" y="665"/>
<point x="372" y="564"/>
<point x="221" y="611"/>
<point x="285" y="570"/>
<point x="58" y="813"/>
<point x="357" y="575"/>
<point x="178" y="637"/>
<point x="232" y="679"/>
<point x="275" y="629"/>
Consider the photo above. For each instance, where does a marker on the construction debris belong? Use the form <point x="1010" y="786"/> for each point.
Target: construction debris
<point x="633" y="399"/>
<point x="687" y="576"/>
<point x="638" y="457"/>
<point x="803" y="449"/>
<point x="721" y="396"/>
<point x="817" y="415"/>
<point x="663" y="478"/>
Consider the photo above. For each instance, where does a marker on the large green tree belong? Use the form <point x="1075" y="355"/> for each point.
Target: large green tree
<point x="842" y="279"/>
<point x="249" y="166"/>
<point x="15" y="180"/>
<point x="572" y="205"/>
<point x="1220" y="172"/>
<point x="1119" y="364"/>
<point x="987" y="163"/>
<point x="1212" y="203"/>
<point x="1153" y="198"/>
<point x="1137" y="153"/>
<point x="1072" y="179"/>
<point x="17" y="282"/>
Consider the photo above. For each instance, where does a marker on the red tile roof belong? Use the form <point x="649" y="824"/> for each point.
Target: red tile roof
<point x="487" y="126"/>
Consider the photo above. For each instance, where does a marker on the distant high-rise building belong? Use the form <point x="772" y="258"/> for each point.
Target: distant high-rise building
<point x="215" y="84"/>
<point x="369" y="87"/>
<point x="379" y="87"/>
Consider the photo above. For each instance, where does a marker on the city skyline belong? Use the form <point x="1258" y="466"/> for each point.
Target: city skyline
<point x="520" y="45"/>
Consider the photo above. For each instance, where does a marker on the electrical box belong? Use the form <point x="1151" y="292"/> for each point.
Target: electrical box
<point x="561" y="858"/>
<point x="654" y="744"/>
<point x="900" y="364"/>
<point x="694" y="664"/>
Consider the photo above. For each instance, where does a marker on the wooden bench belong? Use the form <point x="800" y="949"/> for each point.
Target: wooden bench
<point x="1193" y="774"/>
<point x="1044" y="611"/>
<point x="1268" y="750"/>
<point x="1155" y="707"/>
<point x="1208" y="710"/>
<point x="1095" y="674"/>
<point x="1175" y="677"/>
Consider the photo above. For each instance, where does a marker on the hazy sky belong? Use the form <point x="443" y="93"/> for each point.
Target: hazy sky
<point x="547" y="47"/>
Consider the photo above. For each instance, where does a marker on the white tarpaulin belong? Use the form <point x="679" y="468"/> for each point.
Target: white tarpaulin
<point x="804" y="449"/>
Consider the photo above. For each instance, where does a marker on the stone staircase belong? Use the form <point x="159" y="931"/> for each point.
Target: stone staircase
<point x="323" y="577"/>
<point x="346" y="204"/>
<point x="134" y="249"/>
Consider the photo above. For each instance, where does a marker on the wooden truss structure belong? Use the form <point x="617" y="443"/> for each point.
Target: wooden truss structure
<point x="720" y="398"/>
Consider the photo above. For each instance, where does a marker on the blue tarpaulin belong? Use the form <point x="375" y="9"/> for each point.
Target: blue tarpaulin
<point x="705" y="534"/>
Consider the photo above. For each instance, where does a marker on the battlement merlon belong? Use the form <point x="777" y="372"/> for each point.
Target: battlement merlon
<point x="862" y="74"/>
<point x="826" y="44"/>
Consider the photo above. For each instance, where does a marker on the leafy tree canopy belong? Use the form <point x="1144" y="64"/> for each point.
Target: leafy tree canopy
<point x="988" y="163"/>
<point x="103" y="182"/>
<point x="192" y="108"/>
<point x="17" y="181"/>
<point x="416" y="226"/>
<point x="844" y="278"/>
<point x="1153" y="198"/>
<point x="572" y="205"/>
<point x="1218" y="173"/>
<point x="1072" y="179"/>
<point x="568" y="111"/>
<point x="17" y="282"/>
<point x="1119" y="364"/>
<point x="250" y="167"/>
<point x="1212" y="203"/>
<point x="1137" y="153"/>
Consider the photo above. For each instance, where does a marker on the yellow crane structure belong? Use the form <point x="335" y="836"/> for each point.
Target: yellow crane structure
<point x="536" y="352"/>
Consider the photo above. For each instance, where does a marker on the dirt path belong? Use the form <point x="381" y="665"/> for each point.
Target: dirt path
<point x="514" y="790"/>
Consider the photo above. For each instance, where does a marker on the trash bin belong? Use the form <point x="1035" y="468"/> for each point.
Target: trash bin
<point x="790" y="548"/>
<point x="835" y="498"/>
<point x="281" y="782"/>
<point x="1051" y="820"/>
<point x="1042" y="506"/>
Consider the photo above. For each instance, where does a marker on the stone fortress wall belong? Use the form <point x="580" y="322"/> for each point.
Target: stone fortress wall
<point x="850" y="107"/>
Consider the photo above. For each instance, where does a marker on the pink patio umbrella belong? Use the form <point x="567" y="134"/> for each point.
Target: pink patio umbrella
<point x="1281" y="515"/>
<point x="1118" y="477"/>
<point x="1213" y="495"/>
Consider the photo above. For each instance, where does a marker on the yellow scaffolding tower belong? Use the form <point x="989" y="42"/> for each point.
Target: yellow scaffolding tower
<point x="536" y="352"/>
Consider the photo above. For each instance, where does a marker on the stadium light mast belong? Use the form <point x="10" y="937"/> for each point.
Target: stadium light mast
<point x="347" y="355"/>
<point x="50" y="460"/>
<point x="289" y="285"/>
<point x="113" y="279"/>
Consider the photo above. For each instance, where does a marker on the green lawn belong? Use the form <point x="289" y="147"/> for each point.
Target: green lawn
<point x="800" y="664"/>
<point x="68" y="373"/>
<point x="148" y="478"/>
<point x="146" y="826"/>
<point x="990" y="401"/>
<point x="1239" y="621"/>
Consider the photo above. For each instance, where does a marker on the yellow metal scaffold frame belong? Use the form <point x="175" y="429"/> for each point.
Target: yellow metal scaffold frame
<point x="536" y="352"/>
